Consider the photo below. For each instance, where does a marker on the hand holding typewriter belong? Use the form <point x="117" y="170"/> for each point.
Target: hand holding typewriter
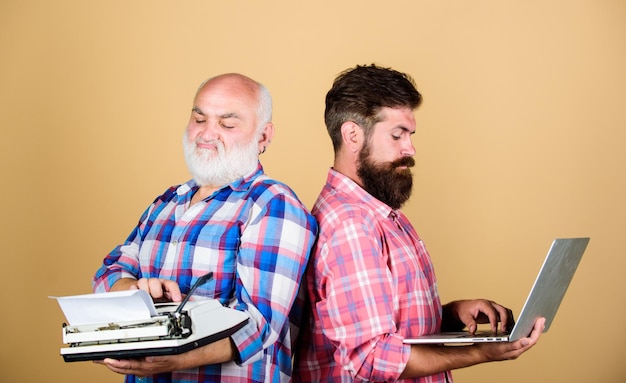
<point x="217" y="352"/>
<point x="161" y="290"/>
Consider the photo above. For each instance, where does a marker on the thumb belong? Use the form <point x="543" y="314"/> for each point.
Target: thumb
<point x="469" y="322"/>
<point x="472" y="327"/>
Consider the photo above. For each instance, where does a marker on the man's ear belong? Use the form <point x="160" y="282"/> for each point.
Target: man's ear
<point x="352" y="136"/>
<point x="265" y="137"/>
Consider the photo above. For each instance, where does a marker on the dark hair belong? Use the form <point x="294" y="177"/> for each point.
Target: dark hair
<point x="358" y="94"/>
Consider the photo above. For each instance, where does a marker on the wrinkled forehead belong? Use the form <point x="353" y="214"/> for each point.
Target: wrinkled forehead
<point x="230" y="92"/>
<point x="231" y="84"/>
<point x="401" y="117"/>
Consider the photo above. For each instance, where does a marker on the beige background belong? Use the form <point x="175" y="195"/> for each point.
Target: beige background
<point x="520" y="140"/>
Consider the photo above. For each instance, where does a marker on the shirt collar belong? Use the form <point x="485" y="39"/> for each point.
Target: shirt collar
<point x="343" y="184"/>
<point x="240" y="184"/>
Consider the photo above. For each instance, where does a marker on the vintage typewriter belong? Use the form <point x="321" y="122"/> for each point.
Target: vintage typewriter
<point x="169" y="329"/>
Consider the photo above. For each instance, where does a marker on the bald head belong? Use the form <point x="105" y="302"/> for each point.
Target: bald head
<point x="252" y="92"/>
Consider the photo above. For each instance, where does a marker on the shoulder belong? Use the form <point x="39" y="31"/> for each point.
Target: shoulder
<point x="264" y="188"/>
<point x="335" y="211"/>
<point x="275" y="198"/>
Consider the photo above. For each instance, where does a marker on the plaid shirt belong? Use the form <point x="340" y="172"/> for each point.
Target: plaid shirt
<point x="255" y="235"/>
<point x="371" y="284"/>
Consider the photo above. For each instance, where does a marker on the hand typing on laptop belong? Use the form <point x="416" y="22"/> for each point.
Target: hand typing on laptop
<point x="461" y="314"/>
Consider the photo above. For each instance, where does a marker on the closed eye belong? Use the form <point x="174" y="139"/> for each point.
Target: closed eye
<point x="400" y="132"/>
<point x="229" y="121"/>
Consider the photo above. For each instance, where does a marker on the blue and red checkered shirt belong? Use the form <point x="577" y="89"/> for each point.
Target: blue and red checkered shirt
<point x="255" y="236"/>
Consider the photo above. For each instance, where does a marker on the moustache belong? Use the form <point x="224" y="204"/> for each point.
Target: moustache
<point x="404" y="161"/>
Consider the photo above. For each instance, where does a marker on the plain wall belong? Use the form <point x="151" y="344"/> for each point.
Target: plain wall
<point x="520" y="140"/>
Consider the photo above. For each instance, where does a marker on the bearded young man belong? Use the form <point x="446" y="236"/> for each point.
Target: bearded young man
<point x="370" y="280"/>
<point x="231" y="219"/>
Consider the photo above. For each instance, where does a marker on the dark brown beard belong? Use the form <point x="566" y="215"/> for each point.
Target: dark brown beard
<point x="385" y="181"/>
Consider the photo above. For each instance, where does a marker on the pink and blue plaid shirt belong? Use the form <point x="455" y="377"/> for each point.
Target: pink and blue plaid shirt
<point x="371" y="284"/>
<point x="255" y="236"/>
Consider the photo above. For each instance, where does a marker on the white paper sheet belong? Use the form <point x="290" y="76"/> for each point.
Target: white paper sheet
<point x="108" y="307"/>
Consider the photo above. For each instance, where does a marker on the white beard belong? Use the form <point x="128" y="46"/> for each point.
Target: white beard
<point x="218" y="167"/>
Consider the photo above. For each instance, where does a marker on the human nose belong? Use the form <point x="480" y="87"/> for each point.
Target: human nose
<point x="408" y="148"/>
<point x="205" y="131"/>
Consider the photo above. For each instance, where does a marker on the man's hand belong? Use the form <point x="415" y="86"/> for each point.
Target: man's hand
<point x="220" y="351"/>
<point x="147" y="366"/>
<point x="161" y="290"/>
<point x="511" y="350"/>
<point x="431" y="359"/>
<point x="472" y="312"/>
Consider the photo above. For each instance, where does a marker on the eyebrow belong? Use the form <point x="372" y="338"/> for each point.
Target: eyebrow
<point x="229" y="115"/>
<point x="195" y="109"/>
<point x="404" y="129"/>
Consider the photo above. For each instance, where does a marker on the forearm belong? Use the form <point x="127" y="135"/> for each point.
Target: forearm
<point x="428" y="360"/>
<point x="221" y="351"/>
<point x="217" y="352"/>
<point x="124" y="284"/>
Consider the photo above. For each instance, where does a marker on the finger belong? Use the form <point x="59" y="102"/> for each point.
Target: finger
<point x="172" y="290"/>
<point x="142" y="284"/>
<point x="488" y="309"/>
<point x="480" y="309"/>
<point x="127" y="366"/>
<point x="467" y="318"/>
<point x="119" y="366"/>
<point x="533" y="338"/>
<point x="540" y="325"/>
<point x="471" y="325"/>
<point x="510" y="321"/>
<point x="117" y="363"/>
<point x="155" y="287"/>
<point x="504" y="316"/>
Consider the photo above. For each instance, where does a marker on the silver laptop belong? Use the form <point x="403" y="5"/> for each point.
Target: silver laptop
<point x="543" y="301"/>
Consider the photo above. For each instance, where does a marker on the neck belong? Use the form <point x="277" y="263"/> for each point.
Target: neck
<point x="202" y="193"/>
<point x="347" y="167"/>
